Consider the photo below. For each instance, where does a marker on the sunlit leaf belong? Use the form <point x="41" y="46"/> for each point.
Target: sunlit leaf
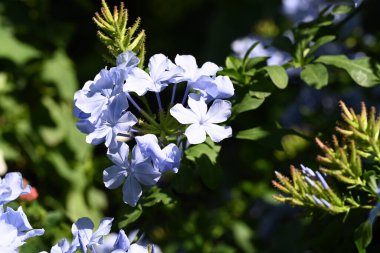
<point x="315" y="75"/>
<point x="363" y="71"/>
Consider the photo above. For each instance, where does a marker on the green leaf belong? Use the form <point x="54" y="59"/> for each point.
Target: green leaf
<point x="60" y="71"/>
<point x="252" y="62"/>
<point x="315" y="75"/>
<point x="252" y="134"/>
<point x="342" y="9"/>
<point x="210" y="173"/>
<point x="131" y="217"/>
<point x="278" y="76"/>
<point x="363" y="71"/>
<point x="249" y="51"/>
<point x="363" y="236"/>
<point x="320" y="42"/>
<point x="11" y="48"/>
<point x="233" y="62"/>
<point x="247" y="103"/>
<point x="208" y="148"/>
<point x="155" y="197"/>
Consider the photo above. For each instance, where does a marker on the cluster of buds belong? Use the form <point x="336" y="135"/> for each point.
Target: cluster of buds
<point x="308" y="188"/>
<point x="342" y="164"/>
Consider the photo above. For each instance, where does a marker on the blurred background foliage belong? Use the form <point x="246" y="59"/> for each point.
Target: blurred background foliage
<point x="48" y="49"/>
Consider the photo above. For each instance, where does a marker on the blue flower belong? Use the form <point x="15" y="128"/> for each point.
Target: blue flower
<point x="84" y="236"/>
<point x="139" y="171"/>
<point x="63" y="246"/>
<point x="166" y="159"/>
<point x="15" y="229"/>
<point x="191" y="71"/>
<point x="127" y="60"/>
<point x="202" y="121"/>
<point x="11" y="187"/>
<point x="212" y="88"/>
<point x="161" y="73"/>
<point x="112" y="122"/>
<point x="275" y="56"/>
<point x="95" y="97"/>
<point x="120" y="243"/>
<point x="302" y="10"/>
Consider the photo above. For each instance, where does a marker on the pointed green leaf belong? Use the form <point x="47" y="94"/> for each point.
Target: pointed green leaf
<point x="363" y="71"/>
<point x="315" y="75"/>
<point x="131" y="217"/>
<point x="252" y="134"/>
<point x="363" y="236"/>
<point x="342" y="9"/>
<point x="278" y="76"/>
<point x="247" y="103"/>
<point x="320" y="42"/>
<point x="233" y="62"/>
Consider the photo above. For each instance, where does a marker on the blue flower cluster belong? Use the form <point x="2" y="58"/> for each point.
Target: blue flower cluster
<point x="14" y="225"/>
<point x="105" y="115"/>
<point x="84" y="240"/>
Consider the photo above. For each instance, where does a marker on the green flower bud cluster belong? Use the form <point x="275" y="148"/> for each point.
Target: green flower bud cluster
<point x="115" y="34"/>
<point x="353" y="182"/>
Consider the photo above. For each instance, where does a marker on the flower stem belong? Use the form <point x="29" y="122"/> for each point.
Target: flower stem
<point x="173" y="94"/>
<point x="159" y="101"/>
<point x="143" y="113"/>
<point x="186" y="93"/>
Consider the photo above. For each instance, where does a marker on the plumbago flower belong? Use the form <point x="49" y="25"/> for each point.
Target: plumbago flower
<point x="85" y="240"/>
<point x="11" y="187"/>
<point x="14" y="225"/>
<point x="139" y="171"/>
<point x="103" y="109"/>
<point x="202" y="121"/>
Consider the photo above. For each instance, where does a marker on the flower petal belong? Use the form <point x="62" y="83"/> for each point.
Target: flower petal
<point x="208" y="69"/>
<point x="218" y="133"/>
<point x="224" y="86"/>
<point x="119" y="156"/>
<point x="195" y="134"/>
<point x="114" y="176"/>
<point x="138" y="81"/>
<point x="131" y="191"/>
<point x="183" y="115"/>
<point x="103" y="229"/>
<point x="146" y="174"/>
<point x="219" y="111"/>
<point x="198" y="105"/>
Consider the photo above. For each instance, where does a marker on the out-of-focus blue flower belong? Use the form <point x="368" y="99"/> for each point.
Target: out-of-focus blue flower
<point x="113" y="121"/>
<point x="139" y="171"/>
<point x="302" y="10"/>
<point x="15" y="229"/>
<point x="84" y="236"/>
<point x="161" y="72"/>
<point x="11" y="187"/>
<point x="166" y="159"/>
<point x="276" y="57"/>
<point x="202" y="121"/>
